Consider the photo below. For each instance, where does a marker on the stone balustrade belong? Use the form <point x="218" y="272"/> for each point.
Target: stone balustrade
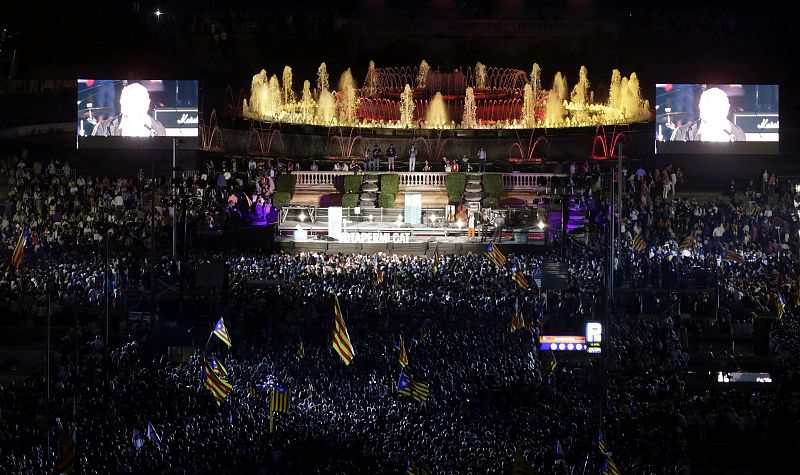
<point x="425" y="181"/>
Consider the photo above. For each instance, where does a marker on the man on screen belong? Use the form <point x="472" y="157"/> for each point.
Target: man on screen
<point x="713" y="125"/>
<point x="134" y="121"/>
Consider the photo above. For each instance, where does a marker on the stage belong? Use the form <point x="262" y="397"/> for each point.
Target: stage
<point x="411" y="239"/>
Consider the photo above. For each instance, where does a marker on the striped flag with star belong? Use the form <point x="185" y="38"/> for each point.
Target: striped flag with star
<point x="406" y="385"/>
<point x="780" y="306"/>
<point x="403" y="357"/>
<point x="219" y="369"/>
<point x="220" y="388"/>
<point x="19" y="249"/>
<point x="278" y="402"/>
<point x="601" y="442"/>
<point x="609" y="467"/>
<point x="222" y="333"/>
<point x="495" y="255"/>
<point x="518" y="277"/>
<point x="340" y="339"/>
<point x="638" y="243"/>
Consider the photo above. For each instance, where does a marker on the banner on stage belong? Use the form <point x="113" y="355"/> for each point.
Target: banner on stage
<point x="381" y="238"/>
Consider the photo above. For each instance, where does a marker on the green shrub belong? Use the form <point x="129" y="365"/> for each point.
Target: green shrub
<point x="490" y="202"/>
<point x="285" y="182"/>
<point x="455" y="183"/>
<point x="492" y="184"/>
<point x="281" y="198"/>
<point x="390" y="183"/>
<point x="349" y="200"/>
<point x="386" y="200"/>
<point x="352" y="183"/>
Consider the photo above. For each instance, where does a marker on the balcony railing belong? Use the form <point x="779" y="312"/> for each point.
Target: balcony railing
<point x="429" y="181"/>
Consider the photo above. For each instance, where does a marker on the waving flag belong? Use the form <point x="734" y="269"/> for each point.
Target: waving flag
<point x="222" y="332"/>
<point x="495" y="255"/>
<point x="340" y="339"/>
<point x="601" y="442"/>
<point x="687" y="244"/>
<point x="638" y="243"/>
<point x="609" y="467"/>
<point x="406" y="385"/>
<point x="518" y="277"/>
<point x="403" y="355"/>
<point x="19" y="249"/>
<point x="732" y="256"/>
<point x="416" y="468"/>
<point x="435" y="262"/>
<point x="780" y="306"/>
<point x="278" y="402"/>
<point x="220" y="388"/>
<point x="152" y="435"/>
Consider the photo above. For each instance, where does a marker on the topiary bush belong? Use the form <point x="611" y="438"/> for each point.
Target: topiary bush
<point x="386" y="200"/>
<point x="490" y="202"/>
<point x="390" y="183"/>
<point x="492" y="184"/>
<point x="281" y="199"/>
<point x="455" y="183"/>
<point x="352" y="183"/>
<point x="349" y="200"/>
<point x="285" y="182"/>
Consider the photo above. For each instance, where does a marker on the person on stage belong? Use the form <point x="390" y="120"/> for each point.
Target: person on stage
<point x="713" y="125"/>
<point x="134" y="121"/>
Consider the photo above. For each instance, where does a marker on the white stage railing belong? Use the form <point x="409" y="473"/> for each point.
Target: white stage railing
<point x="411" y="181"/>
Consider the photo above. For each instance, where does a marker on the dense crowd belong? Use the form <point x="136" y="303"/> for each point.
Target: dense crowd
<point x="492" y="392"/>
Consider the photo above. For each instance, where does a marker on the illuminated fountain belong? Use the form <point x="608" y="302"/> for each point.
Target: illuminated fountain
<point x="472" y="98"/>
<point x="468" y="118"/>
<point x="348" y="103"/>
<point x="436" y="115"/>
<point x="407" y="107"/>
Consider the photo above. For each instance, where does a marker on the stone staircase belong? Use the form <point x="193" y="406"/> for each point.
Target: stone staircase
<point x="369" y="192"/>
<point x="473" y="191"/>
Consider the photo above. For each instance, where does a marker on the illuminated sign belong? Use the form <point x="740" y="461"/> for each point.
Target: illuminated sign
<point x="375" y="237"/>
<point x="562" y="343"/>
<point x="594" y="336"/>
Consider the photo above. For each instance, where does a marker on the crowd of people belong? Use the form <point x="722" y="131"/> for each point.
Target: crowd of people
<point x="493" y="393"/>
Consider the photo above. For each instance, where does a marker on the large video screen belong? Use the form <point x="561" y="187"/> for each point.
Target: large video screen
<point x="717" y="118"/>
<point x="140" y="108"/>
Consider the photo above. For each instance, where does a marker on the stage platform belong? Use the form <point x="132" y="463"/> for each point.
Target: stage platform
<point x="418" y="240"/>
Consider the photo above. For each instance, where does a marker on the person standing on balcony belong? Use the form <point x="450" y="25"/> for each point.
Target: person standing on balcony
<point x="412" y="158"/>
<point x="481" y="160"/>
<point x="376" y="158"/>
<point x="391" y="154"/>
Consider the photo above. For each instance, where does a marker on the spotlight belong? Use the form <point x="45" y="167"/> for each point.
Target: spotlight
<point x="302" y="217"/>
<point x="370" y="218"/>
<point x="541" y="225"/>
<point x="460" y="224"/>
<point x="158" y="13"/>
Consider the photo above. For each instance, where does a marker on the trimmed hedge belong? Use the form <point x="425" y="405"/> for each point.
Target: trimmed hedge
<point x="492" y="184"/>
<point x="455" y="183"/>
<point x="285" y="183"/>
<point x="281" y="198"/>
<point x="386" y="200"/>
<point x="349" y="200"/>
<point x="352" y="183"/>
<point x="390" y="183"/>
<point x="490" y="202"/>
